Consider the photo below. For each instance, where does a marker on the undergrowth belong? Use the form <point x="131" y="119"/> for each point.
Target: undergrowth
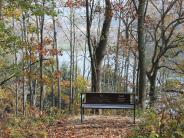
<point x="33" y="125"/>
<point x="164" y="122"/>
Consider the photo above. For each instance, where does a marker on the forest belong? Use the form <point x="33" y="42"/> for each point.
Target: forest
<point x="111" y="54"/>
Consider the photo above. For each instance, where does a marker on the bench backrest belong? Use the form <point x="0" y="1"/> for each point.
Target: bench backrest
<point x="108" y="98"/>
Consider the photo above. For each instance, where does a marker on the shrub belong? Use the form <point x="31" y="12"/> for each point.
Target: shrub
<point x="167" y="122"/>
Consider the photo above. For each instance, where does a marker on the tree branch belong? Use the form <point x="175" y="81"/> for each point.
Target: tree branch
<point x="14" y="74"/>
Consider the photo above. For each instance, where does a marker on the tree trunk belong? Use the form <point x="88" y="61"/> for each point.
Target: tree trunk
<point x="23" y="65"/>
<point x="134" y="74"/>
<point x="35" y="82"/>
<point x="90" y="48"/>
<point x="71" y="59"/>
<point x="41" y="60"/>
<point x="57" y="65"/>
<point x="84" y="62"/>
<point x="122" y="71"/>
<point x="141" y="50"/>
<point x="98" y="80"/>
<point x="152" y="79"/>
<point x="117" y="55"/>
<point x="73" y="53"/>
<point x="108" y="73"/>
<point x="15" y="60"/>
<point x="34" y="92"/>
<point x="52" y="86"/>
<point x="29" y="79"/>
<point x="152" y="90"/>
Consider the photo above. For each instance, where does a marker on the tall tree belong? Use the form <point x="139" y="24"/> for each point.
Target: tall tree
<point x="42" y="19"/>
<point x="98" y="51"/>
<point x="57" y="61"/>
<point x="141" y="10"/>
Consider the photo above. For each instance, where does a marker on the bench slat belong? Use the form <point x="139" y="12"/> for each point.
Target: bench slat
<point x="108" y="106"/>
<point x="107" y="98"/>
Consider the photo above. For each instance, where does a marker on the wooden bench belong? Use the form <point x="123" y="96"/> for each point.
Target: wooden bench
<point x="107" y="101"/>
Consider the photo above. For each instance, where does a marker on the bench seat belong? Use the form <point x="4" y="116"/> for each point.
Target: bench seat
<point x="108" y="106"/>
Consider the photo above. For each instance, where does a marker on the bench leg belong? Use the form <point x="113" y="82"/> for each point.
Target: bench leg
<point x="134" y="115"/>
<point x="82" y="114"/>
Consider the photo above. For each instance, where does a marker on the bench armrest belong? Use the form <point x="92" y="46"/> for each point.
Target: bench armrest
<point x="82" y="96"/>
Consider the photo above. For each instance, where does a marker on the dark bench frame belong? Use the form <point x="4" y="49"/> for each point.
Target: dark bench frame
<point x="107" y="101"/>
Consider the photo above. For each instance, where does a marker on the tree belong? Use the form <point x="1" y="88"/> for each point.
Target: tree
<point x="57" y="61"/>
<point x="97" y="52"/>
<point x="141" y="11"/>
<point x="166" y="36"/>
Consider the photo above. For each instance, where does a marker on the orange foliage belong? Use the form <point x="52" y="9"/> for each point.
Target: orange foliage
<point x="65" y="84"/>
<point x="47" y="41"/>
<point x="49" y="63"/>
<point x="57" y="74"/>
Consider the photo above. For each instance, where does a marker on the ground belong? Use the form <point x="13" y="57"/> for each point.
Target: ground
<point x="93" y="127"/>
